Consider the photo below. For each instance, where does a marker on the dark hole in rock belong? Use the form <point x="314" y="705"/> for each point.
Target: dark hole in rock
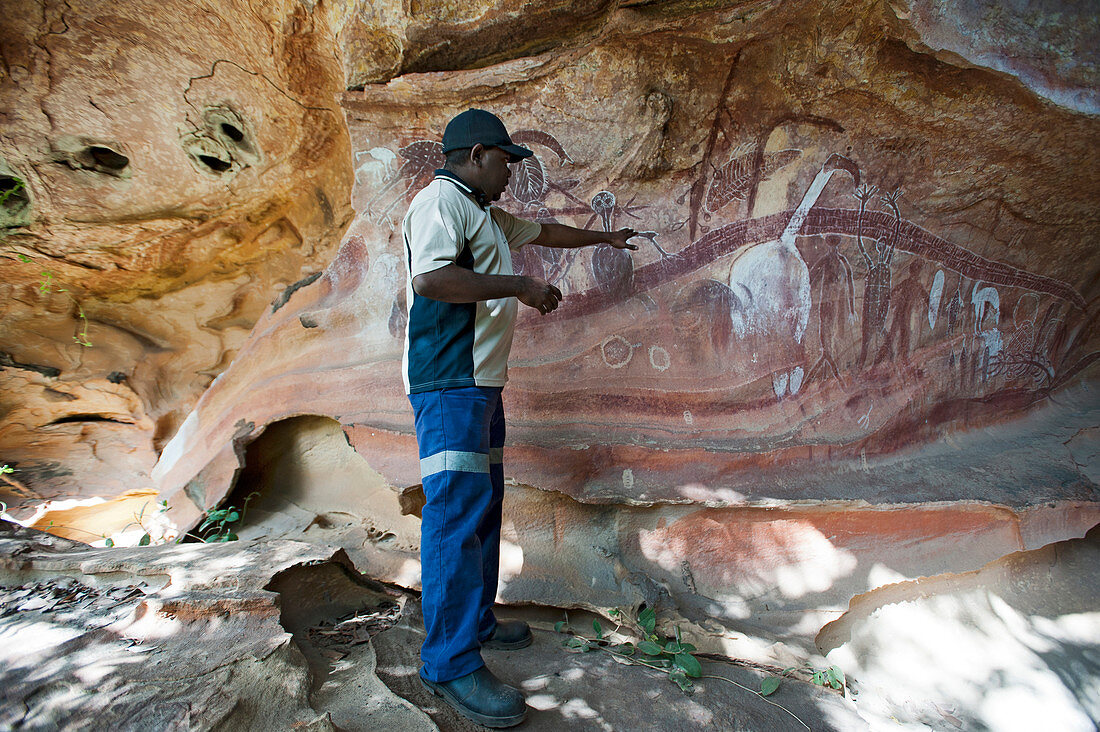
<point x="7" y="360"/>
<point x="13" y="192"/>
<point x="116" y="377"/>
<point x="86" y="418"/>
<point x="232" y="132"/>
<point x="107" y="158"/>
<point x="215" y="164"/>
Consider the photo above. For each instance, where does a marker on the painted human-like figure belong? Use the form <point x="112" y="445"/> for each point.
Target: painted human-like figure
<point x="831" y="276"/>
<point x="908" y="297"/>
<point x="876" y="291"/>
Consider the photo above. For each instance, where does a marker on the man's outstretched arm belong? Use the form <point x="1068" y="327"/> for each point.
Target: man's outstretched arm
<point x="561" y="236"/>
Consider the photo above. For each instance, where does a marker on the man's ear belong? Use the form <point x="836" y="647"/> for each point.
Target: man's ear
<point x="476" y="153"/>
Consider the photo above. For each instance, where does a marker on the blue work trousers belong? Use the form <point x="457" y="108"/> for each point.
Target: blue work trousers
<point x="460" y="434"/>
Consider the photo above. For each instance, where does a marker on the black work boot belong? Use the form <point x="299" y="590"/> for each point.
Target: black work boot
<point x="509" y="635"/>
<point x="482" y="697"/>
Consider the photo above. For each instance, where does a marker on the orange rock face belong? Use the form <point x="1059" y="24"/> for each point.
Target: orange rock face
<point x="165" y="170"/>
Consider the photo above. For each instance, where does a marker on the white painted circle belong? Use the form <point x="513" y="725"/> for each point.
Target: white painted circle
<point x="659" y="358"/>
<point x="616" y="351"/>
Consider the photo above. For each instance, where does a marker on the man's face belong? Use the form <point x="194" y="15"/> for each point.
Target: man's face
<point x="495" y="172"/>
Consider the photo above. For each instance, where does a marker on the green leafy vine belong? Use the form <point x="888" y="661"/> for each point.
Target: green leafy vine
<point x="671" y="656"/>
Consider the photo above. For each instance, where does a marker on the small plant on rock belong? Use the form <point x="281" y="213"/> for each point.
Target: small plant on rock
<point x="139" y="521"/>
<point x="831" y="677"/>
<point x="669" y="655"/>
<point x="216" y="527"/>
<point x="49" y="284"/>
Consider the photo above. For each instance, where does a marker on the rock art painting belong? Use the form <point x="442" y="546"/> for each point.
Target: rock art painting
<point x="734" y="180"/>
<point x="791" y="271"/>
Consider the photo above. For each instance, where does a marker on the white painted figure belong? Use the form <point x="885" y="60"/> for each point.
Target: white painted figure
<point x="772" y="280"/>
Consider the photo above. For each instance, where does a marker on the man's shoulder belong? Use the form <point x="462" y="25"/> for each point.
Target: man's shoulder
<point x="442" y="195"/>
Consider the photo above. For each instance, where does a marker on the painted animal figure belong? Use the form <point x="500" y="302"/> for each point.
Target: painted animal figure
<point x="612" y="268"/>
<point x="772" y="281"/>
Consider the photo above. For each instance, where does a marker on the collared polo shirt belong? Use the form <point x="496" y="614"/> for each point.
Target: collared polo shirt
<point x="458" y="344"/>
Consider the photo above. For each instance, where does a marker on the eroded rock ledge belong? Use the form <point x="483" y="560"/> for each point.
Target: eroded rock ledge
<point x="192" y="636"/>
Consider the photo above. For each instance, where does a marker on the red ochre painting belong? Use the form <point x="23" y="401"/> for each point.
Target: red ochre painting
<point x="838" y="323"/>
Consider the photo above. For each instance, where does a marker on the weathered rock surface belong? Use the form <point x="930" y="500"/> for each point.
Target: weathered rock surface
<point x="1049" y="46"/>
<point x="199" y="636"/>
<point x="591" y="691"/>
<point x="165" y="169"/>
<point x="1012" y="646"/>
<point x="192" y="636"/>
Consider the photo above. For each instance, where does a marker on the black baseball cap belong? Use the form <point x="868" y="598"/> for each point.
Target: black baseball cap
<point x="478" y="126"/>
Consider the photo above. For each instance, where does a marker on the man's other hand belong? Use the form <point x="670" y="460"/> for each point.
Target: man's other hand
<point x="540" y="294"/>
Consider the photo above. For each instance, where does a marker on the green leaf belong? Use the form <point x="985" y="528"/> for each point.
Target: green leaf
<point x="145" y="539"/>
<point x="837" y="674"/>
<point x="789" y="669"/>
<point x="650" y="648"/>
<point x="690" y="664"/>
<point x="688" y="647"/>
<point x="598" y="628"/>
<point x="769" y="685"/>
<point x="559" y="626"/>
<point x="627" y="649"/>
<point x="681" y="680"/>
<point x="673" y="647"/>
<point x="614" y="612"/>
<point x="648" y="620"/>
<point x="232" y="516"/>
<point x="24" y="258"/>
<point x="109" y="543"/>
<point x="819" y="678"/>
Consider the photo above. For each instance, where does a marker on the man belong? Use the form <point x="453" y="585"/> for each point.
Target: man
<point x="462" y="300"/>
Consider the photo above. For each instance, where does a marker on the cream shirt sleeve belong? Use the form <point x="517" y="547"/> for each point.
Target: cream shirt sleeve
<point x="436" y="232"/>
<point x="516" y="230"/>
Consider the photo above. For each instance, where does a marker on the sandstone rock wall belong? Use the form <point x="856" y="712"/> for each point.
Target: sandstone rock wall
<point x="857" y="344"/>
<point x="168" y="168"/>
